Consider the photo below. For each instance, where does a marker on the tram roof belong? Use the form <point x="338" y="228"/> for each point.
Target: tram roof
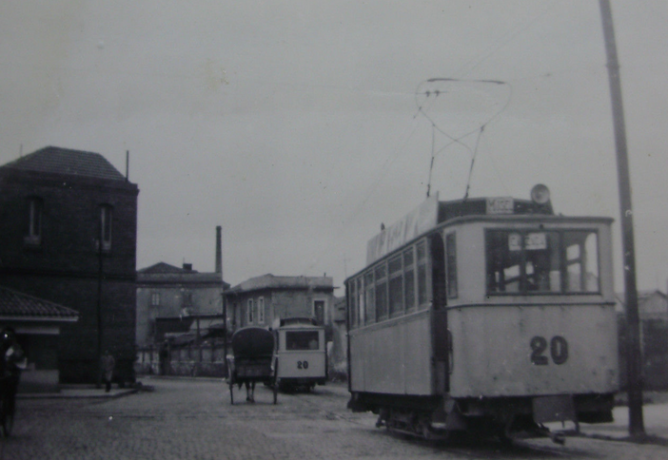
<point x="433" y="213"/>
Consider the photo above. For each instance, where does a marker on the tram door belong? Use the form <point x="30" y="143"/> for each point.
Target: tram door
<point x="439" y="322"/>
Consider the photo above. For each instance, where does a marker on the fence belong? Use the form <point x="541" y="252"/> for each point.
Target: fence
<point x="207" y="360"/>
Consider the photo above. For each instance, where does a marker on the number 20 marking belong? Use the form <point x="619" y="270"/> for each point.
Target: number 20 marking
<point x="558" y="350"/>
<point x="302" y="364"/>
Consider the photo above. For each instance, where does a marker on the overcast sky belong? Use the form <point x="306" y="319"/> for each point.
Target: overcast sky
<point x="300" y="126"/>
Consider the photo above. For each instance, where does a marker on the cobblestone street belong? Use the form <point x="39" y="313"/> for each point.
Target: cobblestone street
<point x="193" y="419"/>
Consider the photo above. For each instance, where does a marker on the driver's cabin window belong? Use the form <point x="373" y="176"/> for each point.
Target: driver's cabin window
<point x="537" y="261"/>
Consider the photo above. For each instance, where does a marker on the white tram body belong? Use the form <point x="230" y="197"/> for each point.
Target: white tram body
<point x="301" y="359"/>
<point x="484" y="314"/>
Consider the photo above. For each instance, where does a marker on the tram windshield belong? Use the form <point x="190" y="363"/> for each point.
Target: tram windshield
<point x="301" y="340"/>
<point x="529" y="261"/>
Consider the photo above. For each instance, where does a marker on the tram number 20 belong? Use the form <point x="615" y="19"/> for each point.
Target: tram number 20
<point x="302" y="364"/>
<point x="558" y="350"/>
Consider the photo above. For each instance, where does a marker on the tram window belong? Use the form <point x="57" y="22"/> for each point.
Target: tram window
<point x="409" y="280"/>
<point x="542" y="261"/>
<point x="422" y="274"/>
<point x="451" y="261"/>
<point x="503" y="261"/>
<point x="381" y="292"/>
<point x="581" y="261"/>
<point x="360" y="301"/>
<point x="370" y="297"/>
<point x="396" y="286"/>
<point x="542" y="268"/>
<point x="301" y="340"/>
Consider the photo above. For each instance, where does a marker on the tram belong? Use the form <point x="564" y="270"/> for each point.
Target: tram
<point x="301" y="358"/>
<point x="487" y="315"/>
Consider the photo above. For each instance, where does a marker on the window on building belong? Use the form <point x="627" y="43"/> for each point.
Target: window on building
<point x="319" y="311"/>
<point x="105" y="226"/>
<point x="260" y="310"/>
<point x="35" y="209"/>
<point x="187" y="298"/>
<point x="155" y="298"/>
<point x="249" y="312"/>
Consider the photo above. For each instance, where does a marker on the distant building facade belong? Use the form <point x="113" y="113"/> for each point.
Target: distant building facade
<point x="653" y="313"/>
<point x="169" y="295"/>
<point x="261" y="300"/>
<point x="68" y="226"/>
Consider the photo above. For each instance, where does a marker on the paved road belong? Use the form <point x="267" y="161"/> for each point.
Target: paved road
<point x="193" y="419"/>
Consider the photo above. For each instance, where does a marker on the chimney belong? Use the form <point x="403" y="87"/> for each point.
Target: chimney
<point x="188" y="267"/>
<point x="219" y="250"/>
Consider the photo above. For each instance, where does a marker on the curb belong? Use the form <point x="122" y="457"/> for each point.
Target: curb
<point x="77" y="394"/>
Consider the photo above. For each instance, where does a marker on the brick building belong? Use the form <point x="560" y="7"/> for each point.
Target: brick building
<point x="261" y="300"/>
<point x="68" y="226"/>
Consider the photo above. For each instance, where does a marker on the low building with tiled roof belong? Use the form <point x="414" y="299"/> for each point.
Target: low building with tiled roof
<point x="68" y="223"/>
<point x="16" y="306"/>
<point x="37" y="323"/>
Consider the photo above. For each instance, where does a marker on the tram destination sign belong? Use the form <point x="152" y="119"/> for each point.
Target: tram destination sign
<point x="415" y="223"/>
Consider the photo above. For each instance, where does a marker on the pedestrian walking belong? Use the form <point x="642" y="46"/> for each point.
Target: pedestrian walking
<point x="12" y="362"/>
<point x="107" y="364"/>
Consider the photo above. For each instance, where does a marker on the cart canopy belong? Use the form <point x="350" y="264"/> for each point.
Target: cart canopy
<point x="252" y="342"/>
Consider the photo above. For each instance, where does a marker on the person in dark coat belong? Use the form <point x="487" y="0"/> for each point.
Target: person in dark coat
<point x="107" y="364"/>
<point x="12" y="362"/>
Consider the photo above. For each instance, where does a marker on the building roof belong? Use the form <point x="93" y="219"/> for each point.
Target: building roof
<point x="70" y="162"/>
<point x="23" y="306"/>
<point x="270" y="281"/>
<point x="165" y="274"/>
<point x="163" y="268"/>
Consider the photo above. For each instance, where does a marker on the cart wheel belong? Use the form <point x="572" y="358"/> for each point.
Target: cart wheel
<point x="231" y="393"/>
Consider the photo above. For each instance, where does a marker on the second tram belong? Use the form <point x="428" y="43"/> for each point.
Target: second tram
<point x="301" y="357"/>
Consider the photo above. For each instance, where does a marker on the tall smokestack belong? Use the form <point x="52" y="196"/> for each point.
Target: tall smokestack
<point x="219" y="250"/>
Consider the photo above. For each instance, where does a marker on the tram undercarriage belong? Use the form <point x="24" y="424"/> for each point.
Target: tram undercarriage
<point x="438" y="419"/>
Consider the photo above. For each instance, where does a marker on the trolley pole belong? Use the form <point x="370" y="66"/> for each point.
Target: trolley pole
<point x="633" y="351"/>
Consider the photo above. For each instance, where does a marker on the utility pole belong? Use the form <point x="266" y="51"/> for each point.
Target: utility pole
<point x="219" y="269"/>
<point x="100" y="275"/>
<point x="633" y="352"/>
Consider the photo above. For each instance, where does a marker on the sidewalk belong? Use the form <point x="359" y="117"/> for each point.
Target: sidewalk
<point x="655" y="418"/>
<point x="79" y="391"/>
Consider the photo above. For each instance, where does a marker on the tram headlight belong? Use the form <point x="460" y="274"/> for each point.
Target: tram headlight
<point x="540" y="194"/>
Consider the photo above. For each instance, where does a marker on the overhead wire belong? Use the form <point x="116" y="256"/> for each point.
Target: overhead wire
<point x="476" y="61"/>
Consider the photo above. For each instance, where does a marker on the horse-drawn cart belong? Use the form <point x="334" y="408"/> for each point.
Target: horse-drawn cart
<point x="253" y="361"/>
